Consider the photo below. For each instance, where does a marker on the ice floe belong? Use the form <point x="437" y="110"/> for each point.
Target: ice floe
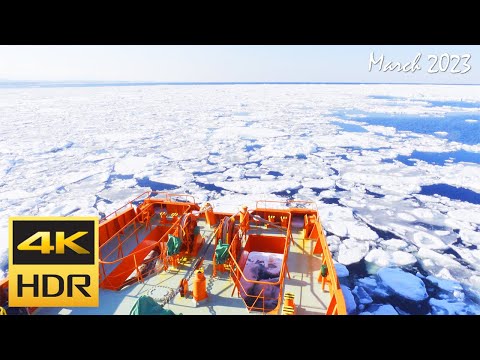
<point x="376" y="309"/>
<point x="447" y="307"/>
<point x="403" y="284"/>
<point x="402" y="258"/>
<point x="394" y="244"/>
<point x="235" y="144"/>
<point x="381" y="258"/>
<point x="341" y="270"/>
<point x="429" y="241"/>
<point x="351" y="251"/>
<point x="362" y="295"/>
<point x="341" y="222"/>
<point x="378" y="257"/>
<point x="442" y="265"/>
<point x="349" y="299"/>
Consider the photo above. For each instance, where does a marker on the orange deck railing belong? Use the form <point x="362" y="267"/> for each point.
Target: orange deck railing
<point x="336" y="305"/>
<point x="126" y="222"/>
<point x="125" y="264"/>
<point x="287" y="203"/>
<point x="236" y="273"/>
<point x="337" y="301"/>
<point x="168" y="197"/>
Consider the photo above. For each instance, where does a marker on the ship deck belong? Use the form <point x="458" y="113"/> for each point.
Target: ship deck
<point x="303" y="266"/>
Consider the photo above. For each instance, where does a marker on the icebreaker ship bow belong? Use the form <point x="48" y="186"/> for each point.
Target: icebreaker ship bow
<point x="164" y="253"/>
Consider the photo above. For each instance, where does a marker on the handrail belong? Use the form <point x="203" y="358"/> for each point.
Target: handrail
<point x="287" y="243"/>
<point x="327" y="258"/>
<point x="152" y="246"/>
<point x="243" y="291"/>
<point x="168" y="196"/>
<point x="236" y="267"/>
<point x="138" y="273"/>
<point x="337" y="301"/>
<point x="287" y="201"/>
<point x="146" y="208"/>
<point x="261" y="292"/>
<point x="336" y="295"/>
<point x="133" y="220"/>
<point x="128" y="203"/>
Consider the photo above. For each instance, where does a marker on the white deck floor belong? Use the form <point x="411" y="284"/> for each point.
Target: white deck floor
<point x="303" y="267"/>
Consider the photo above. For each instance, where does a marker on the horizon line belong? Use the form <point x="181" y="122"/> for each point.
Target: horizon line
<point x="139" y="83"/>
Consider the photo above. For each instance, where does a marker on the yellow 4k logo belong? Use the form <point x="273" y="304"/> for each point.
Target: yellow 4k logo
<point x="53" y="261"/>
<point x="60" y="243"/>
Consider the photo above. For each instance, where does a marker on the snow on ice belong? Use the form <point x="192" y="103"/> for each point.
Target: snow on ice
<point x="88" y="150"/>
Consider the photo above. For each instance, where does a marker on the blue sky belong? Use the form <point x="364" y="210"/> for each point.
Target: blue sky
<point x="229" y="63"/>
